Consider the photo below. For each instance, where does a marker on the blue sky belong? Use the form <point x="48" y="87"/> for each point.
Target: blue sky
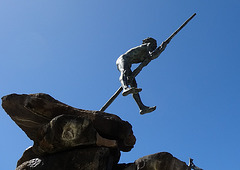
<point x="68" y="49"/>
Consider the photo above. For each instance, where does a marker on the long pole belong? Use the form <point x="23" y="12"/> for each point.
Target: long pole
<point x="155" y="54"/>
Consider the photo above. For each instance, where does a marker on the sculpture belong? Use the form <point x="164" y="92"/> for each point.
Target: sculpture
<point x="143" y="54"/>
<point x="124" y="62"/>
<point x="192" y="165"/>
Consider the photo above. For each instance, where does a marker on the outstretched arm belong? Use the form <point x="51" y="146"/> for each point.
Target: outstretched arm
<point x="155" y="54"/>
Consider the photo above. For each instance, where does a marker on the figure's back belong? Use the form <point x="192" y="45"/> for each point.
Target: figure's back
<point x="136" y="54"/>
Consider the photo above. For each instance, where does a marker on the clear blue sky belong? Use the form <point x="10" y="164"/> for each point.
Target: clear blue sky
<point x="68" y="49"/>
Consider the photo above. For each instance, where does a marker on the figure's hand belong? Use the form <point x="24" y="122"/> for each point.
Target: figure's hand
<point x="164" y="44"/>
<point x="159" y="50"/>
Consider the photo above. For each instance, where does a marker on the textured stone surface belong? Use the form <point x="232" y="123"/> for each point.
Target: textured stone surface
<point x="158" y="161"/>
<point x="67" y="138"/>
<point x="98" y="158"/>
<point x="33" y="112"/>
<point x="64" y="132"/>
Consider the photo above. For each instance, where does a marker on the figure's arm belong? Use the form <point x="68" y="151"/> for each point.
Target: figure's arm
<point x="155" y="54"/>
<point x="152" y="55"/>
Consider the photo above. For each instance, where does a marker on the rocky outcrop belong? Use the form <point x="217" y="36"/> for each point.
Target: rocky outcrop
<point x="35" y="114"/>
<point x="92" y="158"/>
<point x="101" y="159"/>
<point x="67" y="138"/>
<point x="158" y="161"/>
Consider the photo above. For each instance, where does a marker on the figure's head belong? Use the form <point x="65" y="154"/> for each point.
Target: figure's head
<point x="152" y="41"/>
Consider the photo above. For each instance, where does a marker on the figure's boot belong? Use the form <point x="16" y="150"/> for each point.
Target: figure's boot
<point x="129" y="90"/>
<point x="147" y="110"/>
<point x="126" y="89"/>
<point x="143" y="109"/>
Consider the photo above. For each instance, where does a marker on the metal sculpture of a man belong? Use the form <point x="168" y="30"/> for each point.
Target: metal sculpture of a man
<point x="142" y="54"/>
<point x="124" y="62"/>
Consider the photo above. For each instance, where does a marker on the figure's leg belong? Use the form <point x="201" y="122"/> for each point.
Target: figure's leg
<point x="138" y="101"/>
<point x="123" y="68"/>
<point x="125" y="73"/>
<point x="143" y="109"/>
<point x="123" y="79"/>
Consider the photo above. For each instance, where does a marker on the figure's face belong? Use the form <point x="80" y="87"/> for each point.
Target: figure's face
<point x="153" y="46"/>
<point x="152" y="43"/>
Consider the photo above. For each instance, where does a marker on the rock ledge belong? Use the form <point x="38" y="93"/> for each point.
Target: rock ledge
<point x="67" y="138"/>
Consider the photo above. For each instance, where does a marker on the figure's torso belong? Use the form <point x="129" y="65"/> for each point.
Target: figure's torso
<point x="136" y="54"/>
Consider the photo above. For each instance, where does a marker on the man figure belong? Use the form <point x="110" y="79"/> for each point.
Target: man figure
<point x="124" y="62"/>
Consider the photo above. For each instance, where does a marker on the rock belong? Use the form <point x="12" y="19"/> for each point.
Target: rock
<point x="67" y="138"/>
<point x="32" y="113"/>
<point x="84" y="160"/>
<point x="158" y="161"/>
<point x="96" y="158"/>
<point x="64" y="132"/>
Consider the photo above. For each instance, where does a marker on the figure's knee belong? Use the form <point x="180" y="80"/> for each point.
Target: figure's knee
<point x="123" y="75"/>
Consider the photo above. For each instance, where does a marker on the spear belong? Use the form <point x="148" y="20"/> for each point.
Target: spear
<point x="154" y="55"/>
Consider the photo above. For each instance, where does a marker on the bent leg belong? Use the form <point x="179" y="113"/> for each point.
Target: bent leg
<point x="125" y="74"/>
<point x="143" y="109"/>
<point x="125" y="71"/>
